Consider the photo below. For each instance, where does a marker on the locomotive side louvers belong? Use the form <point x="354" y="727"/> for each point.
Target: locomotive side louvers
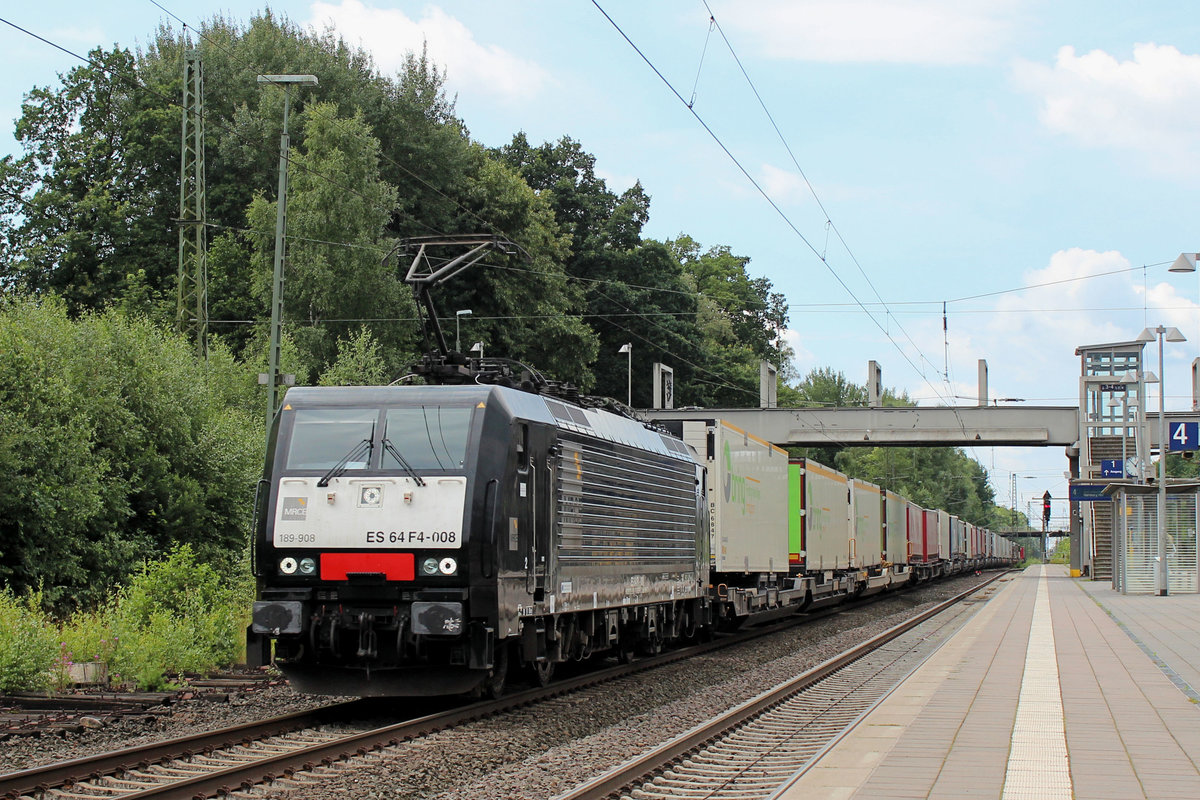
<point x="617" y="504"/>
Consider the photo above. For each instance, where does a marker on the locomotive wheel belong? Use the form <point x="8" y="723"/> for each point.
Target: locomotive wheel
<point x="543" y="671"/>
<point x="493" y="685"/>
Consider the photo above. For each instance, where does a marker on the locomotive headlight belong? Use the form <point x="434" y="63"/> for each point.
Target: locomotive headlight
<point x="429" y="566"/>
<point x="448" y="566"/>
<point x="308" y="566"/>
<point x="287" y="566"/>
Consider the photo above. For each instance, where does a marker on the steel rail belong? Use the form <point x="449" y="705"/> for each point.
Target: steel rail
<point x="659" y="759"/>
<point x="42" y="779"/>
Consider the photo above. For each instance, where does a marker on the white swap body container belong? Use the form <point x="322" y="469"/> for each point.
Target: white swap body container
<point x="824" y="516"/>
<point x="958" y="537"/>
<point x="943" y="532"/>
<point x="747" y="497"/>
<point x="895" y="515"/>
<point x="866" y="509"/>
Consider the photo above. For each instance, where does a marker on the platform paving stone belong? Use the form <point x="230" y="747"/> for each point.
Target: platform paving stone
<point x="1126" y="670"/>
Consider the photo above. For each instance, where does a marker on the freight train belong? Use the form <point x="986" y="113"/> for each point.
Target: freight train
<point x="414" y="540"/>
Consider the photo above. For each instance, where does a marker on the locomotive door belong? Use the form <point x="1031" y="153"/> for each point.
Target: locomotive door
<point x="541" y="553"/>
<point x="529" y="517"/>
<point x="521" y="550"/>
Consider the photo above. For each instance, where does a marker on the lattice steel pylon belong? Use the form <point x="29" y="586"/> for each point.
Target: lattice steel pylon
<point x="191" y="310"/>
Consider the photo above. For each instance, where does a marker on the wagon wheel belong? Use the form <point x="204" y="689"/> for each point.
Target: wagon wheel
<point x="493" y="685"/>
<point x="543" y="671"/>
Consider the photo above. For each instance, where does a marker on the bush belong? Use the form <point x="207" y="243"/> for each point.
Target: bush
<point x="28" y="643"/>
<point x="116" y="442"/>
<point x="88" y="636"/>
<point x="179" y="615"/>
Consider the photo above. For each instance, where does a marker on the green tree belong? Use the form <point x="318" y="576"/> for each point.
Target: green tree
<point x="635" y="290"/>
<point x="359" y="362"/>
<point x="88" y="203"/>
<point x="117" y="443"/>
<point x="336" y="278"/>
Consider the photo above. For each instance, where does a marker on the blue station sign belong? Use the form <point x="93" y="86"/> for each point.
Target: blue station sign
<point x="1113" y="468"/>
<point x="1088" y="492"/>
<point x="1183" y="436"/>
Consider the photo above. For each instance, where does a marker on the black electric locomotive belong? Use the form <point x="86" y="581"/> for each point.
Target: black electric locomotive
<point x="426" y="539"/>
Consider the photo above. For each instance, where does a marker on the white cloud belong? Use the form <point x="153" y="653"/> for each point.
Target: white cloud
<point x="472" y="67"/>
<point x="890" y="31"/>
<point x="803" y="358"/>
<point x="784" y="186"/>
<point x="1149" y="104"/>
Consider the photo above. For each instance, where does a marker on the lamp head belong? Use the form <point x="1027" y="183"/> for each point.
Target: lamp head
<point x="1185" y="263"/>
<point x="626" y="348"/>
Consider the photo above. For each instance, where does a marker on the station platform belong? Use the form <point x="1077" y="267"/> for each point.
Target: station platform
<point x="1057" y="688"/>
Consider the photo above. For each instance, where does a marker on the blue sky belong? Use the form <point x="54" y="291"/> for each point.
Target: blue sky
<point x="961" y="150"/>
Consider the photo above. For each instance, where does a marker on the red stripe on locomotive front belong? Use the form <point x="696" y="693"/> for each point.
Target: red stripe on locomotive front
<point x="393" y="566"/>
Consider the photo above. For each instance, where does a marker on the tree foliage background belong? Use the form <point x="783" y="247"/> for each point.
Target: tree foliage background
<point x="119" y="443"/>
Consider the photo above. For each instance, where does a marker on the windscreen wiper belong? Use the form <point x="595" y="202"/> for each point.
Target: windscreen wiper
<point x="391" y="448"/>
<point x="356" y="453"/>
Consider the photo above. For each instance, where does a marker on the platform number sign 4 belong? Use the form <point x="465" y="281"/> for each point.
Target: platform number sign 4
<point x="1183" y="436"/>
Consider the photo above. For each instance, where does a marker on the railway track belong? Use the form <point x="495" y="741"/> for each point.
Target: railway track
<point x="56" y="714"/>
<point x="750" y="751"/>
<point x="295" y="750"/>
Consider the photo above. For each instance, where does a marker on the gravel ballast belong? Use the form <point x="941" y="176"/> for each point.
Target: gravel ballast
<point x="545" y="750"/>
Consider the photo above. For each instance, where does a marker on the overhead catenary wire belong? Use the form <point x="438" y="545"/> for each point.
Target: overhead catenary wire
<point x="759" y="188"/>
<point x="354" y="245"/>
<point x="721" y="301"/>
<point x="779" y="211"/>
<point x="829" y="223"/>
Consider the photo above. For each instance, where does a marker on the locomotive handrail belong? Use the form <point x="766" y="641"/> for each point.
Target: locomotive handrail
<point x="254" y="517"/>
<point x="491" y="490"/>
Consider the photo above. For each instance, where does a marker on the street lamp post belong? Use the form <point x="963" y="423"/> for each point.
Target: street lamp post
<point x="1186" y="262"/>
<point x="1164" y="334"/>
<point x="628" y="349"/>
<point x="458" y="315"/>
<point x="272" y="377"/>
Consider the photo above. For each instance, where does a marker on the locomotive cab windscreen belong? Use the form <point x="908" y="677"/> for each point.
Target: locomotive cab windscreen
<point x="369" y="479"/>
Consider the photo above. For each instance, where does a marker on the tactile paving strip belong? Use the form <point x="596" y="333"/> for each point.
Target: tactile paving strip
<point x="1038" y="767"/>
